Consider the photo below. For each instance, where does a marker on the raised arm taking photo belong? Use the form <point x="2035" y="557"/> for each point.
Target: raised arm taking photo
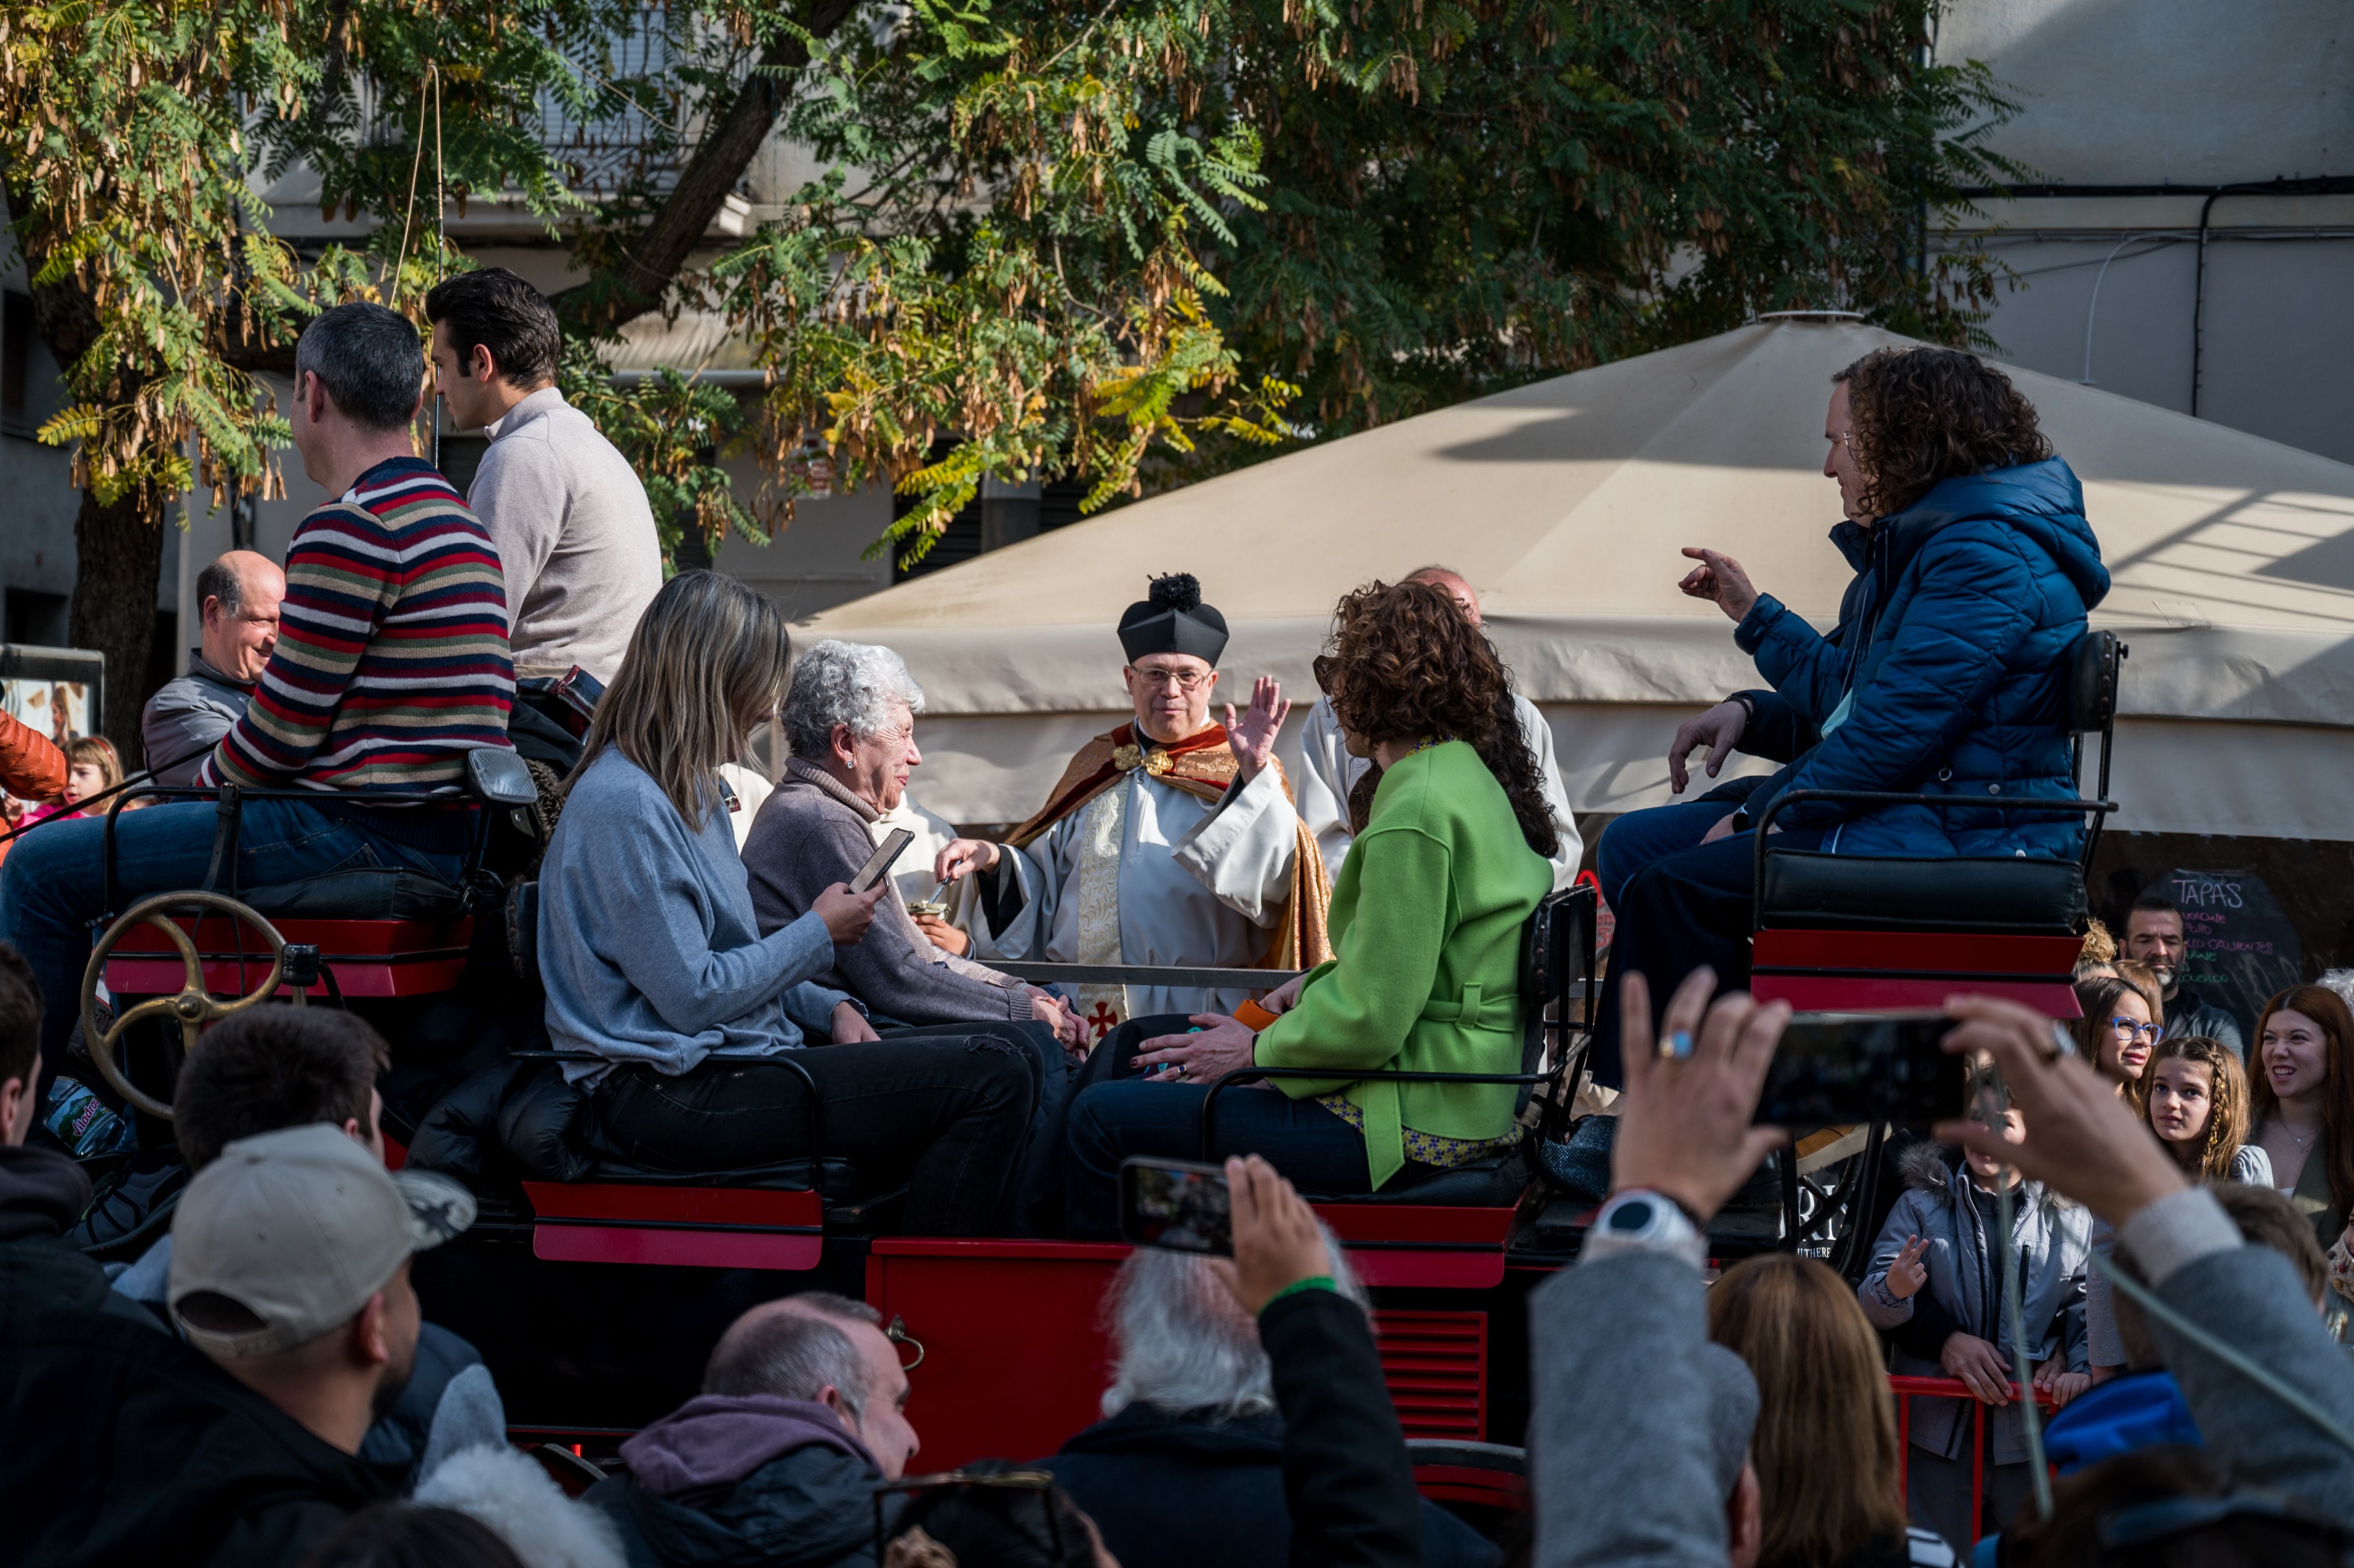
<point x="1347" y="1477"/>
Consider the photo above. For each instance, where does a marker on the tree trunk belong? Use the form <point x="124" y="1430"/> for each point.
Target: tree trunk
<point x="120" y="554"/>
<point x="118" y="549"/>
<point x="652" y="257"/>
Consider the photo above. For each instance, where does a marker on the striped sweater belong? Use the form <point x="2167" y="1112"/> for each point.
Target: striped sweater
<point x="392" y="646"/>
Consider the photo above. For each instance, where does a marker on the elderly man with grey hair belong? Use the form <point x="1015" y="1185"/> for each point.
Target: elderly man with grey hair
<point x="850" y="717"/>
<point x="1187" y="1466"/>
<point x="802" y="1414"/>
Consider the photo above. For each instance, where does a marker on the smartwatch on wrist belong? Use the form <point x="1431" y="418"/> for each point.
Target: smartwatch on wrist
<point x="1642" y="1220"/>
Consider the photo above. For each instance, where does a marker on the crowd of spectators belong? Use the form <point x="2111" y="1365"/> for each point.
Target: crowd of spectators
<point x="2232" y="1435"/>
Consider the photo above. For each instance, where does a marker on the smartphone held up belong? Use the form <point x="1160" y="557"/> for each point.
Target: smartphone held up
<point x="878" y="865"/>
<point x="1175" y="1205"/>
<point x="1833" y="1068"/>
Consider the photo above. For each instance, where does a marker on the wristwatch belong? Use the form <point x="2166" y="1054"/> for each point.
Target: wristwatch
<point x="1641" y="1220"/>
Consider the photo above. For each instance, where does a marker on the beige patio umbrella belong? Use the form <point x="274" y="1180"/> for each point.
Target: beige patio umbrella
<point x="1565" y="502"/>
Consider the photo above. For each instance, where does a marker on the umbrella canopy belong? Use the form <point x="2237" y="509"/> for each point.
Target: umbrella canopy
<point x="1564" y="504"/>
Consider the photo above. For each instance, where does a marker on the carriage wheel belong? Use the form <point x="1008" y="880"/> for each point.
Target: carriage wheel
<point x="193" y="1007"/>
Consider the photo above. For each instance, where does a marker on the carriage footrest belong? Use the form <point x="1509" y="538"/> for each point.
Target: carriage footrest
<point x="1822" y="971"/>
<point x="691" y="1227"/>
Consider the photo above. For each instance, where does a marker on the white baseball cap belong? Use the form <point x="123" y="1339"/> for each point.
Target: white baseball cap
<point x="299" y="1227"/>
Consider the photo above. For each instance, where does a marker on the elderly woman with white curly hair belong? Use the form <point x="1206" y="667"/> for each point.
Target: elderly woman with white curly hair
<point x="850" y="718"/>
<point x="1187" y="1466"/>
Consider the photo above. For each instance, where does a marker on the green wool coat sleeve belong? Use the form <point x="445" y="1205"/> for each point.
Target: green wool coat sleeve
<point x="1357" y="1011"/>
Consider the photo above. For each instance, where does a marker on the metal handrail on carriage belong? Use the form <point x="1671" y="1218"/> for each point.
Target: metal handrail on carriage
<point x="1547" y="967"/>
<point x="1546" y="979"/>
<point x="480" y="793"/>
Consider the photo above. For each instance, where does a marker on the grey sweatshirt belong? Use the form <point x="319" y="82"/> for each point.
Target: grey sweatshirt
<point x="186" y="717"/>
<point x="813" y="832"/>
<point x="1620" y="1452"/>
<point x="648" y="944"/>
<point x="574" y="534"/>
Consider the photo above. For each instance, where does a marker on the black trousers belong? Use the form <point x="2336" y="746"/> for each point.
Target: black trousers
<point x="949" y="1105"/>
<point x="1039" y="1183"/>
<point x="1678" y="912"/>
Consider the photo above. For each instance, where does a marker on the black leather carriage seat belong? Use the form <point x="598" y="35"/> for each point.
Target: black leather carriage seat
<point x="2017" y="896"/>
<point x="372" y="892"/>
<point x="496" y="781"/>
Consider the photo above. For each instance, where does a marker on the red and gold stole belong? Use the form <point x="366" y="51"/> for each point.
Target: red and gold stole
<point x="1203" y="766"/>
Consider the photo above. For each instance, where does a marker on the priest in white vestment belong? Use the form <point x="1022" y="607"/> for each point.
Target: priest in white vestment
<point x="1331" y="773"/>
<point x="1169" y="840"/>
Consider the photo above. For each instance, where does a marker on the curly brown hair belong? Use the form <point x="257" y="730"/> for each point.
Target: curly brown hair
<point x="1404" y="664"/>
<point x="1921" y="416"/>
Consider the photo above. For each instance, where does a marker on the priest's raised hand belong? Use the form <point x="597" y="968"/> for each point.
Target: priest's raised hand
<point x="1253" y="735"/>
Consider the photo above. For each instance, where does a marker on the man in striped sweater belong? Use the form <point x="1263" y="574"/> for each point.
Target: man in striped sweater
<point x="391" y="664"/>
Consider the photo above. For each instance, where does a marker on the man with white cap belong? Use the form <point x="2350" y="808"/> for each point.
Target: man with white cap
<point x="289" y="1268"/>
<point x="289" y="1274"/>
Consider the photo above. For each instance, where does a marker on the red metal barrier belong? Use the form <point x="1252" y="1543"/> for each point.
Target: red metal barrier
<point x="1908" y="1389"/>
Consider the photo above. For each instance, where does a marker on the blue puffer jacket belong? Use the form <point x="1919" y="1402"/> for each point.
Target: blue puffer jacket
<point x="1954" y="639"/>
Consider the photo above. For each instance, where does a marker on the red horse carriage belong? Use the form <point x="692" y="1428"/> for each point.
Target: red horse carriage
<point x="596" y="1299"/>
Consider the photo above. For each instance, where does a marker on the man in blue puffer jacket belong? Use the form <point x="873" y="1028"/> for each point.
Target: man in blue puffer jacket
<point x="1947" y="673"/>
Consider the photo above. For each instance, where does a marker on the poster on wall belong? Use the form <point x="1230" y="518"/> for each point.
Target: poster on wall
<point x="2242" y="945"/>
<point x="59" y="709"/>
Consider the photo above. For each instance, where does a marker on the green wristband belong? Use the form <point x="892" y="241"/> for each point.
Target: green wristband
<point x="1313" y="1282"/>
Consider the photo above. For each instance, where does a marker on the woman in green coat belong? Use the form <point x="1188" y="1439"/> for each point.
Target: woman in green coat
<point x="1448" y="863"/>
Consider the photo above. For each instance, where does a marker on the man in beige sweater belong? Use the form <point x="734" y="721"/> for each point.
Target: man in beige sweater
<point x="565" y="509"/>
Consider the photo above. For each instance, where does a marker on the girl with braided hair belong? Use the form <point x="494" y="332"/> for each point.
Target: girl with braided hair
<point x="2195" y="1095"/>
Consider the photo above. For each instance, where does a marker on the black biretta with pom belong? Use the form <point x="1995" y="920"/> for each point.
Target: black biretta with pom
<point x="1172" y="619"/>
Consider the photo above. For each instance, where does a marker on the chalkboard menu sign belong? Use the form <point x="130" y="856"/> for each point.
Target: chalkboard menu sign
<point x="2243" y="947"/>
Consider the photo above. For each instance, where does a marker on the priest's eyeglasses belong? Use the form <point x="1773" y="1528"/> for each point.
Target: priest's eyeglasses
<point x="1186" y="680"/>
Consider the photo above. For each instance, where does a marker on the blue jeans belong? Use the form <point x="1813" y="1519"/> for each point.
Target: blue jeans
<point x="1635" y="840"/>
<point x="1678" y="912"/>
<point x="1125" y="1116"/>
<point x="53" y="883"/>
